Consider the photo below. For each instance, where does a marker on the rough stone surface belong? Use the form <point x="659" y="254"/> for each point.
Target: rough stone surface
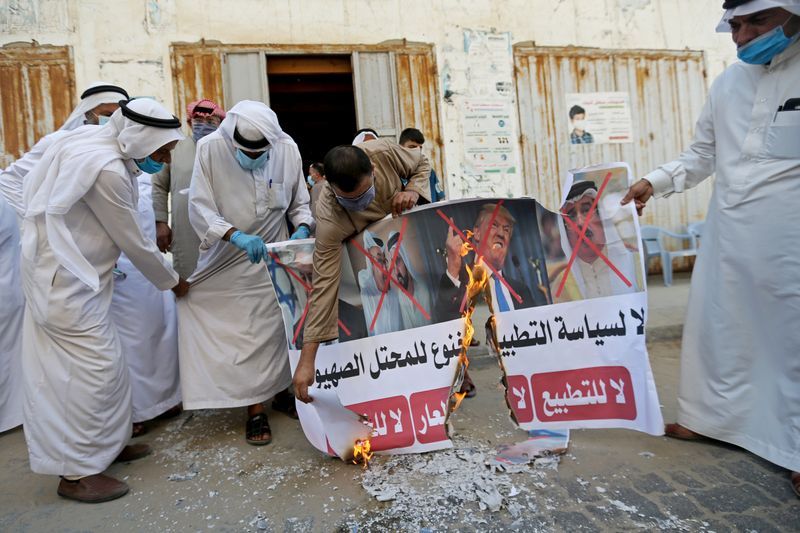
<point x="610" y="480"/>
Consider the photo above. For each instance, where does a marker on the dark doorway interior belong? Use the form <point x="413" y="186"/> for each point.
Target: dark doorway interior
<point x="314" y="100"/>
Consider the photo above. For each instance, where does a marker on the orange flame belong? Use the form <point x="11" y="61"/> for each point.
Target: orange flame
<point x="478" y="280"/>
<point x="362" y="453"/>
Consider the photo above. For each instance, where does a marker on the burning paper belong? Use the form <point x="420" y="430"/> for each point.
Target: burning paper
<point x="566" y="291"/>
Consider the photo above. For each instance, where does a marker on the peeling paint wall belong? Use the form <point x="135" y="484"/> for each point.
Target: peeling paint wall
<point x="128" y="41"/>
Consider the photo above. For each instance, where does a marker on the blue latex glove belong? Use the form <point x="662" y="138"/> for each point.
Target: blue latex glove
<point x="301" y="233"/>
<point x="252" y="244"/>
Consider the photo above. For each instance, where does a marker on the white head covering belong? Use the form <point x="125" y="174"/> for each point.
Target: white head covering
<point x="615" y="249"/>
<point x="403" y="253"/>
<point x="112" y="95"/>
<point x="70" y="167"/>
<point x="254" y="120"/>
<point x="361" y="137"/>
<point x="792" y="6"/>
<point x="371" y="240"/>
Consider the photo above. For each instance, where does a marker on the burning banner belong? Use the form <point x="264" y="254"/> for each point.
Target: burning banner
<point x="566" y="296"/>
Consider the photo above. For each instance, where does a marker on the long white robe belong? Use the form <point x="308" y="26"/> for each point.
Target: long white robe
<point x="77" y="392"/>
<point x="232" y="345"/>
<point x="12" y="310"/>
<point x="740" y="366"/>
<point x="147" y="323"/>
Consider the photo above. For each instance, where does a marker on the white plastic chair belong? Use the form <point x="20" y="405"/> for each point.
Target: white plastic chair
<point x="650" y="244"/>
<point x="695" y="230"/>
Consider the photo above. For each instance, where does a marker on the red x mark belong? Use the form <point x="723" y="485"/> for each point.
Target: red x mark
<point x="479" y="251"/>
<point x="389" y="277"/>
<point x="308" y="288"/>
<point x="582" y="239"/>
<point x="594" y="248"/>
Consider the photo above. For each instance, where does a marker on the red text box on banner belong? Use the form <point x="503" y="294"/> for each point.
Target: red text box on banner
<point x="518" y="396"/>
<point x="391" y="421"/>
<point x="595" y="393"/>
<point x="429" y="411"/>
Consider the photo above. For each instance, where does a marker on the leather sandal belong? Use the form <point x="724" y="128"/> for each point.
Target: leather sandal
<point x="93" y="489"/>
<point x="258" y="426"/>
<point x="677" y="431"/>
<point x="133" y="452"/>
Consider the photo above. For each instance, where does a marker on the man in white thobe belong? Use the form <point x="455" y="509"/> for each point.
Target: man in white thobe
<point x="247" y="182"/>
<point x="147" y="323"/>
<point x="98" y="100"/>
<point x="79" y="214"/>
<point x="12" y="310"/>
<point x="740" y="368"/>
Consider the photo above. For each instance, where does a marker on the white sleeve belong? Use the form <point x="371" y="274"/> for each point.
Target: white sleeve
<point x="204" y="215"/>
<point x="695" y="164"/>
<point x="299" y="211"/>
<point x="12" y="178"/>
<point x="111" y="201"/>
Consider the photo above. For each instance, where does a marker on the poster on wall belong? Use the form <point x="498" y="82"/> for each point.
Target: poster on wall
<point x="489" y="136"/>
<point x="490" y="72"/>
<point x="566" y="292"/>
<point x="599" y="118"/>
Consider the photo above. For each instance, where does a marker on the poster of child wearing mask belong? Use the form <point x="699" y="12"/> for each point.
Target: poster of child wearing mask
<point x="599" y="118"/>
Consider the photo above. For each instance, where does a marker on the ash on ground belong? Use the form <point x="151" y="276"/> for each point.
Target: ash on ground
<point x="466" y="485"/>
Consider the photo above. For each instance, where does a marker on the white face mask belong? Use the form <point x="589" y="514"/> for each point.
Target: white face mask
<point x="579" y="125"/>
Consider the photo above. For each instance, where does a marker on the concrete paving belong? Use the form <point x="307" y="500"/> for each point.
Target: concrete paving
<point x="204" y="477"/>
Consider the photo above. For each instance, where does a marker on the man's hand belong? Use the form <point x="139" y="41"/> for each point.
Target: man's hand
<point x="640" y="192"/>
<point x="453" y="246"/>
<point x="163" y="236"/>
<point x="304" y="373"/>
<point x="403" y="201"/>
<point x="181" y="288"/>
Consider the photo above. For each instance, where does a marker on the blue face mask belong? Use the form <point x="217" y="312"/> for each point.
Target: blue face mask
<point x="310" y="181"/>
<point x="201" y="129"/>
<point x="764" y="48"/>
<point x="251" y="164"/>
<point x="102" y="119"/>
<point x="149" y="165"/>
<point x="360" y="202"/>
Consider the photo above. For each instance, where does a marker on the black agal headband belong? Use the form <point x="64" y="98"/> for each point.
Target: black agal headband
<point x="731" y="4"/>
<point x="259" y="144"/>
<point x="105" y="89"/>
<point x="166" y="123"/>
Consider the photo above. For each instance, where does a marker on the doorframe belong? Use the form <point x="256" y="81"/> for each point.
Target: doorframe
<point x="398" y="46"/>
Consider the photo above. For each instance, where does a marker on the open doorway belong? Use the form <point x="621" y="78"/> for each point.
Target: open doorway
<point x="314" y="100"/>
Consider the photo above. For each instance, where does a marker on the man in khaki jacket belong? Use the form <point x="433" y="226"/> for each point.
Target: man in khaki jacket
<point x="364" y="183"/>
